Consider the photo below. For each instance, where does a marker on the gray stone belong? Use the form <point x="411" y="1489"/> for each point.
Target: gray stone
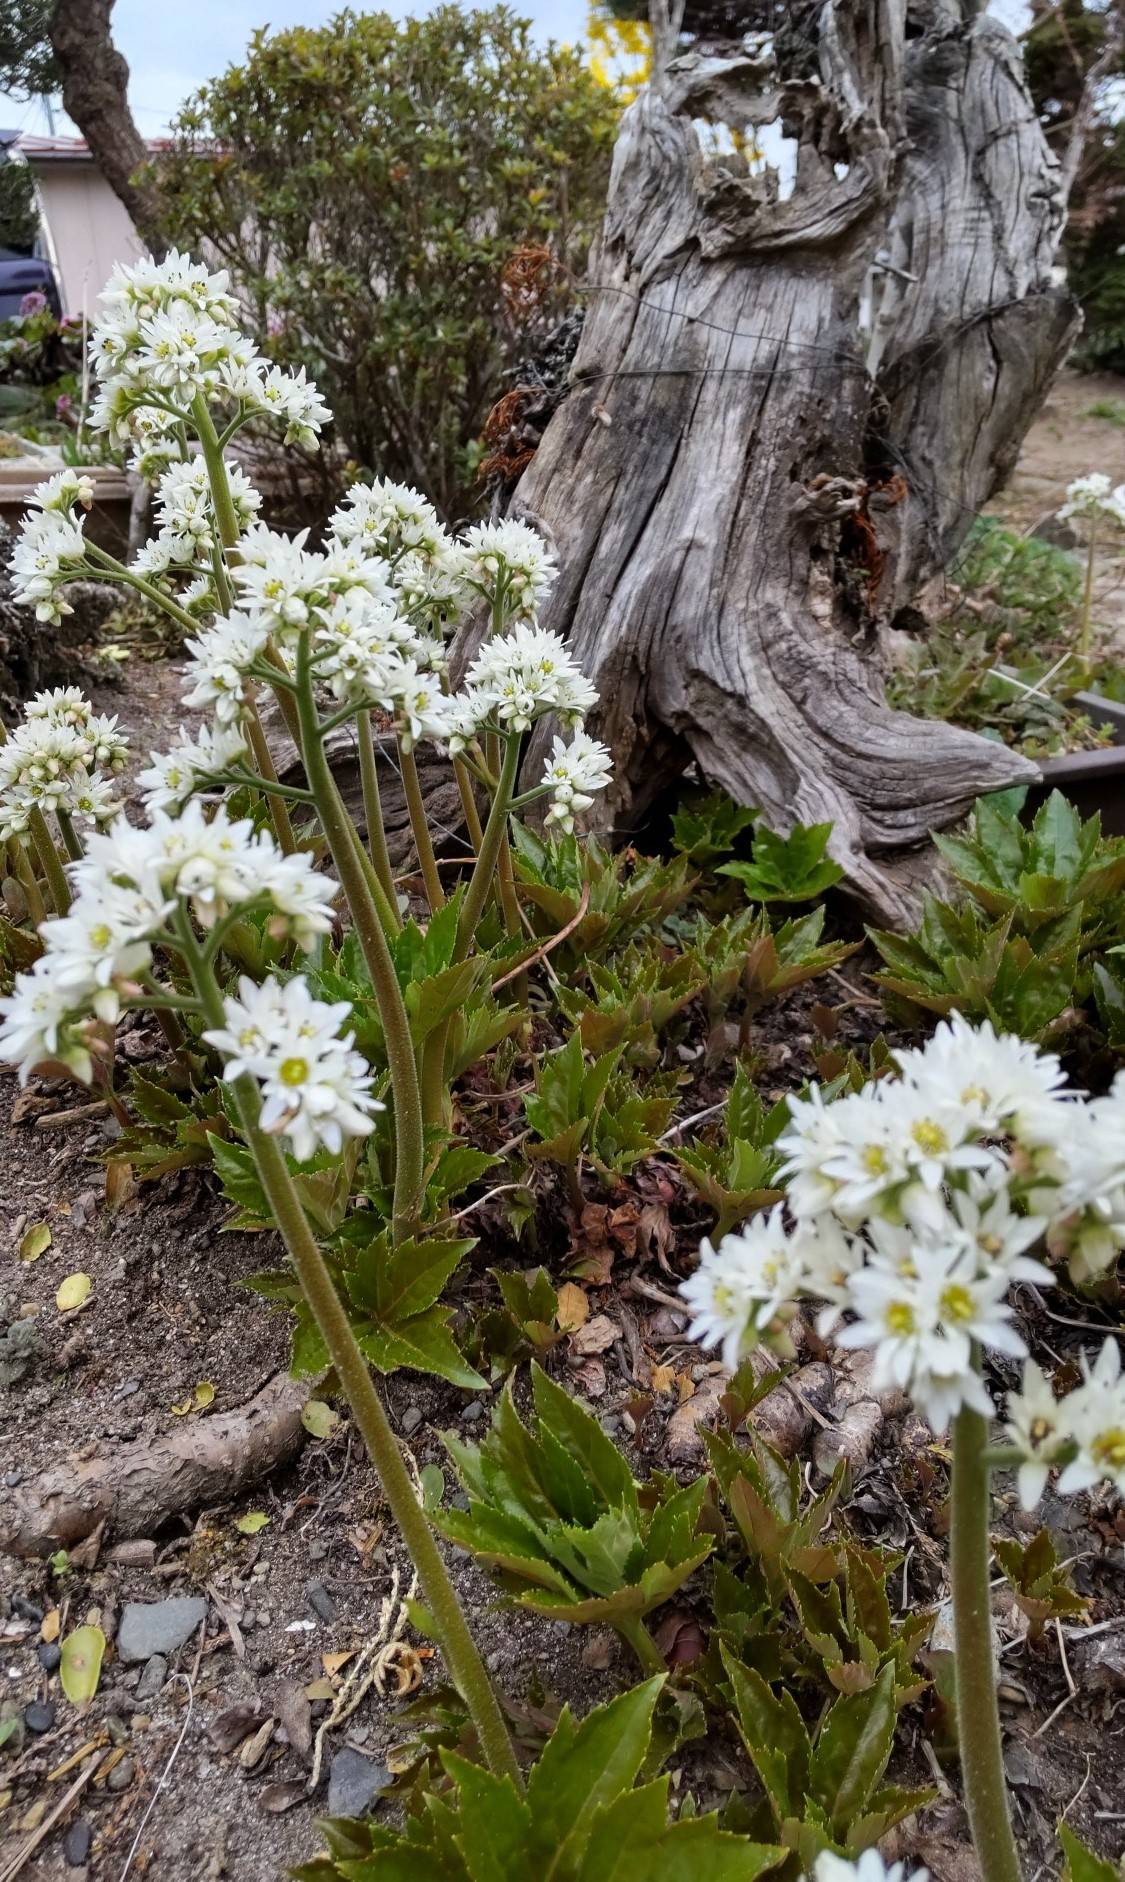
<point x="151" y="1627"/>
<point x="354" y="1784"/>
<point x="76" y="1843"/>
<point x="411" y="1419"/>
<point x="39" y="1716"/>
<point x="321" y="1601"/>
<point x="121" y="1776"/>
<point x="50" y="1653"/>
<point x="153" y="1677"/>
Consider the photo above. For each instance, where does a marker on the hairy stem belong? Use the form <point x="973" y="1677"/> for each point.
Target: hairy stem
<point x="495" y="833"/>
<point x="373" y="811"/>
<point x="279" y="814"/>
<point x="457" y="1644"/>
<point x="72" y="842"/>
<point x="420" y="829"/>
<point x="468" y="801"/>
<point x="49" y="860"/>
<point x="36" y="907"/>
<point x="978" y="1718"/>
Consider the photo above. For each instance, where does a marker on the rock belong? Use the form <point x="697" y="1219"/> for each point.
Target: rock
<point x="1103" y="1663"/>
<point x="121" y="1776"/>
<point x="50" y="1653"/>
<point x="354" y="1783"/>
<point x="39" y="1716"/>
<point x="321" y="1601"/>
<point x="154" y="1627"/>
<point x="117" y="1729"/>
<point x="411" y="1419"/>
<point x="76" y="1842"/>
<point x="27" y="1610"/>
<point x="138" y="1552"/>
<point x="153" y="1677"/>
<point x="683" y="1439"/>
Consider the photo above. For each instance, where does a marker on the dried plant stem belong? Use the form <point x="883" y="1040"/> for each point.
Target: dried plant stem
<point x="420" y="829"/>
<point x="373" y="810"/>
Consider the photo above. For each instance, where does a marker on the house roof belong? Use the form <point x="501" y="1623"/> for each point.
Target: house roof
<point x="62" y="149"/>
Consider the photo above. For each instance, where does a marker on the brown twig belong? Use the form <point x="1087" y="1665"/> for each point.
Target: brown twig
<point x="541" y="953"/>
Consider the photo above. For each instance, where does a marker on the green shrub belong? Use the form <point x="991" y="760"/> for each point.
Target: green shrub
<point x="367" y="183"/>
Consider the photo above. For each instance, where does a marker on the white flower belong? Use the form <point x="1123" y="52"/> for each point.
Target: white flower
<point x="869" y="1867"/>
<point x="99" y="944"/>
<point x="386" y="519"/>
<point x="573" y="773"/>
<point x="1038" y="1424"/>
<point x="40" y="1025"/>
<point x="280" y="581"/>
<point x="221" y="657"/>
<point x="185" y="513"/>
<point x="510" y="561"/>
<point x="291" y="397"/>
<point x="523" y="675"/>
<point x="1093" y="496"/>
<point x="173" y="776"/>
<point x="739" y="1288"/>
<point x="1094" y="1415"/>
<point x="63" y="705"/>
<point x="49" y="551"/>
<point x="63" y="491"/>
<point x="316" y="1091"/>
<point x="994" y="1079"/>
<point x="420" y="705"/>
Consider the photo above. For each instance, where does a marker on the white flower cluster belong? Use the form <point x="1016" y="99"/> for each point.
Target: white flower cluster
<point x="192" y="765"/>
<point x="910" y="1211"/>
<point x="185" y="514"/>
<point x="1083" y="1431"/>
<point x="127" y="887"/>
<point x="510" y="564"/>
<point x="167" y="332"/>
<point x="51" y="547"/>
<point x="869" y="1867"/>
<point x="1094" y="497"/>
<point x="315" y="1089"/>
<point x="60" y="759"/>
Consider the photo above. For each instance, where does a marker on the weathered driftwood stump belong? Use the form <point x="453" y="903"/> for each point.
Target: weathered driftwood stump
<point x="785" y="411"/>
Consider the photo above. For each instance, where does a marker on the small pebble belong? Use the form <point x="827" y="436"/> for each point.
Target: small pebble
<point x="153" y="1677"/>
<point x="264" y="1617"/>
<point x="39" y="1716"/>
<point x="321" y="1601"/>
<point x="76" y="1843"/>
<point x="318" y="1549"/>
<point x="411" y="1419"/>
<point x="117" y="1729"/>
<point x="12" y="1478"/>
<point x="121" y="1776"/>
<point x="473" y="1410"/>
<point x="50" y="1653"/>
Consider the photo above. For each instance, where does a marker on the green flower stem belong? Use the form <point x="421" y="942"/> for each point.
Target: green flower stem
<point x="226" y="516"/>
<point x="1085" y="620"/>
<point x="457" y="1644"/>
<point x="644" y="1646"/>
<point x="36" y="907"/>
<point x="72" y="842"/>
<point x="373" y="812"/>
<point x="492" y="841"/>
<point x="349" y="859"/>
<point x="109" y="569"/>
<point x="259" y="746"/>
<point x="505" y="878"/>
<point x="978" y="1718"/>
<point x="49" y="860"/>
<point x="420" y="829"/>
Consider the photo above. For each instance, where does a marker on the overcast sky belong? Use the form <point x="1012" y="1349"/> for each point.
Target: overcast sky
<point x="172" y="46"/>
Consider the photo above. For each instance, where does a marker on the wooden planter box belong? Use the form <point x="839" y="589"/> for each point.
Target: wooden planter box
<point x="108" y="523"/>
<point x="1092" y="780"/>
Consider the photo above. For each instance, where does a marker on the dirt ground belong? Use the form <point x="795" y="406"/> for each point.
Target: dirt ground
<point x="187" y="1798"/>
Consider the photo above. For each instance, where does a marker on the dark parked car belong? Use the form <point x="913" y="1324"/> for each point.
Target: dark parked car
<point x="21" y="275"/>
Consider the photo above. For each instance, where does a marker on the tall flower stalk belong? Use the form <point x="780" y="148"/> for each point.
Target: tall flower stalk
<point x="341" y="634"/>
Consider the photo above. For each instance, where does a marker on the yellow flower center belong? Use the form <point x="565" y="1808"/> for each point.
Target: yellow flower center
<point x="900" y="1317"/>
<point x="293" y="1071"/>
<point x="874" y="1160"/>
<point x="101" y="936"/>
<point x="957" y="1302"/>
<point x="929" y="1137"/>
<point x="1109" y="1448"/>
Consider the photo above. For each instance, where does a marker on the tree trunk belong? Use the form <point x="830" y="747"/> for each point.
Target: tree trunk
<point x="785" y="411"/>
<point x="95" y="80"/>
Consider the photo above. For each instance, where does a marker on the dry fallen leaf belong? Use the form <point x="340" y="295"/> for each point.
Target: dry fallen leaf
<point x="81" y="1664"/>
<point x="332" y="1662"/>
<point x="73" y="1292"/>
<point x="597" y="1336"/>
<point x="35" y="1241"/>
<point x="50" y="1628"/>
<point x="574" y="1307"/>
<point x="663" y="1378"/>
<point x="252" y="1522"/>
